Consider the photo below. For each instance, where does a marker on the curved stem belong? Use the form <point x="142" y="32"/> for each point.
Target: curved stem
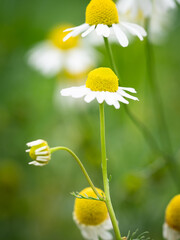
<point x="82" y="168"/>
<point x="104" y="173"/>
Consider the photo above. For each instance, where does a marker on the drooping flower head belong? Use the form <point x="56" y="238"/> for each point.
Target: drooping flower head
<point x="171" y="227"/>
<point x="39" y="151"/>
<point x="53" y="55"/>
<point x="92" y="217"/>
<point x="102" y="16"/>
<point x="102" y="85"/>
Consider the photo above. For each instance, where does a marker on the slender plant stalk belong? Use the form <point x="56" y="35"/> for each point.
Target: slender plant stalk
<point x="146" y="133"/>
<point x="104" y="173"/>
<point x="159" y="110"/>
<point x="170" y="160"/>
<point x="156" y="93"/>
<point x="82" y="168"/>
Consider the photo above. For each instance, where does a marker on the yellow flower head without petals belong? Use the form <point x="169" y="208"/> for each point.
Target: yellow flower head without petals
<point x="57" y="35"/>
<point x="101" y="12"/>
<point x="172" y="215"/>
<point x="90" y="212"/>
<point x="102" y="79"/>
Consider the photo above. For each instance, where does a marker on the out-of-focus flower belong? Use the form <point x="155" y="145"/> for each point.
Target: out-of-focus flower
<point x="171" y="227"/>
<point x="156" y="11"/>
<point x="53" y="55"/>
<point x="102" y="84"/>
<point x="102" y="17"/>
<point x="92" y="217"/>
<point x="39" y="151"/>
<point x="135" y="9"/>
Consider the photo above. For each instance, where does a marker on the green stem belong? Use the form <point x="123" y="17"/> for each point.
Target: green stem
<point x="110" y="55"/>
<point x="82" y="168"/>
<point x="159" y="110"/>
<point x="171" y="163"/>
<point x="104" y="173"/>
<point x="157" y="99"/>
<point x="146" y="133"/>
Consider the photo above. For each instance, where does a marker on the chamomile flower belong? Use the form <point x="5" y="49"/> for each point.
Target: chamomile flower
<point x="54" y="55"/>
<point x="136" y="9"/>
<point x="171" y="227"/>
<point x="102" y="85"/>
<point x="102" y="17"/>
<point x="156" y="11"/>
<point x="92" y="217"/>
<point x="164" y="5"/>
<point x="39" y="151"/>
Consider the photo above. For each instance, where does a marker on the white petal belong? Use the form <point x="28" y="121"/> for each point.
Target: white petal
<point x="120" y="98"/>
<point x="42" y="153"/>
<point x="71" y="29"/>
<point x="28" y="150"/>
<point x="110" y="98"/>
<point x="90" y="97"/>
<point x="124" y="94"/>
<point x="40" y="149"/>
<point x="128" y="89"/>
<point x="46" y="58"/>
<point x="135" y="29"/>
<point x="116" y="105"/>
<point x="100" y="97"/>
<point x="76" y="92"/>
<point x="34" y="143"/>
<point x="121" y="36"/>
<point x="108" y="224"/>
<point x="89" y="30"/>
<point x="103" y="30"/>
<point x="42" y="158"/>
<point x="36" y="163"/>
<point x="105" y="235"/>
<point x="76" y="31"/>
<point x="170" y="233"/>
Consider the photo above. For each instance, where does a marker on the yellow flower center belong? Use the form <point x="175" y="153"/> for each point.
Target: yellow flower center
<point x="90" y="212"/>
<point x="102" y="79"/>
<point x="101" y="12"/>
<point x="173" y="213"/>
<point x="33" y="149"/>
<point x="57" y="35"/>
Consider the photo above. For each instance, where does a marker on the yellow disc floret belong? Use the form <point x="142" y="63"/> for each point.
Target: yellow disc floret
<point x="57" y="35"/>
<point x="102" y="79"/>
<point x="90" y="212"/>
<point x="173" y="213"/>
<point x="101" y="12"/>
<point x="34" y="150"/>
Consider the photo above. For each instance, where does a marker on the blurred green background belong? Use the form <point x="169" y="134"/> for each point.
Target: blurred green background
<point x="35" y="203"/>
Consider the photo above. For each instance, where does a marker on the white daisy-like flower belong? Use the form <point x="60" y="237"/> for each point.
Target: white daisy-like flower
<point x="53" y="55"/>
<point x="102" y="85"/>
<point x="171" y="227"/>
<point x="164" y="5"/>
<point x="39" y="151"/>
<point x="136" y="9"/>
<point x="92" y="217"/>
<point x="102" y="17"/>
<point x="160" y="19"/>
